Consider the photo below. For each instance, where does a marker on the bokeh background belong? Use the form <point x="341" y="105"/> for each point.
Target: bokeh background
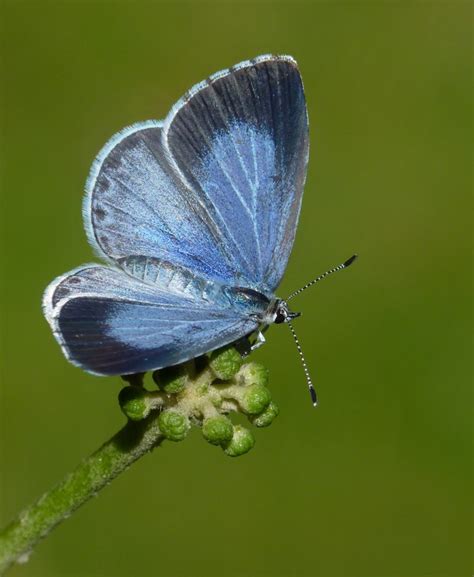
<point x="377" y="481"/>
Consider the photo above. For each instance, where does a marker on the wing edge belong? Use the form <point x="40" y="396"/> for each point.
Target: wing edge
<point x="91" y="180"/>
<point x="196" y="88"/>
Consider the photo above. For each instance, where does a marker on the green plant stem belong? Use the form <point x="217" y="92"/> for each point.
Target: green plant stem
<point x="185" y="396"/>
<point x="135" y="439"/>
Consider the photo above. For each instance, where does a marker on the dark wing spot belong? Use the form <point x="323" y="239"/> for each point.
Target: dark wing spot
<point x="104" y="243"/>
<point x="99" y="213"/>
<point x="75" y="280"/>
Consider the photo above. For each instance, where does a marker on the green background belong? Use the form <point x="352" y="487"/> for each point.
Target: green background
<point x="377" y="481"/>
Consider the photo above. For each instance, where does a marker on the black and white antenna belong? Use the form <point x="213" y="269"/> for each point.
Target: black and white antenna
<point x="345" y="264"/>
<point x="312" y="391"/>
<point x="289" y="316"/>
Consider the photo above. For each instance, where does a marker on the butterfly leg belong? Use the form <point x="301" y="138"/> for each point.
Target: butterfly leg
<point x="259" y="342"/>
<point x="243" y="346"/>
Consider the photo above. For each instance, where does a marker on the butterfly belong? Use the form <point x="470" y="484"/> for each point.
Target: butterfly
<point x="195" y="217"/>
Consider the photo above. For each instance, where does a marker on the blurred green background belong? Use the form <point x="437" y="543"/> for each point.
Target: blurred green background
<point x="377" y="481"/>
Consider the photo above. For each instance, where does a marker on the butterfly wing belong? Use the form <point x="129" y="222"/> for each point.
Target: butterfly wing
<point x="108" y="323"/>
<point x="217" y="188"/>
<point x="240" y="139"/>
<point x="136" y="205"/>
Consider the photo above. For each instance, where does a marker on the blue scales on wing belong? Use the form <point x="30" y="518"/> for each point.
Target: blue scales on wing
<point x="109" y="324"/>
<point x="136" y="204"/>
<point x="217" y="187"/>
<point x="240" y="139"/>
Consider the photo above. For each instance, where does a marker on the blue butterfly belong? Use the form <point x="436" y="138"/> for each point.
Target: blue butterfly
<point x="195" y="216"/>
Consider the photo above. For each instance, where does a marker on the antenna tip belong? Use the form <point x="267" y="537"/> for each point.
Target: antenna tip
<point x="314" y="398"/>
<point x="349" y="261"/>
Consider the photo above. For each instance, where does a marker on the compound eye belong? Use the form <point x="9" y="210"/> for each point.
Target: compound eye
<point x="280" y="317"/>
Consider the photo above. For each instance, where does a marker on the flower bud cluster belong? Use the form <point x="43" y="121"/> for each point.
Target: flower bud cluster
<point x="203" y="392"/>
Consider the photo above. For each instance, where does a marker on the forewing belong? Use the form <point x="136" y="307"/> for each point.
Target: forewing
<point x="136" y="205"/>
<point x="108" y="323"/>
<point x="240" y="139"/>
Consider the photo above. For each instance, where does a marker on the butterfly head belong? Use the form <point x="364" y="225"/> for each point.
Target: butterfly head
<point x="282" y="313"/>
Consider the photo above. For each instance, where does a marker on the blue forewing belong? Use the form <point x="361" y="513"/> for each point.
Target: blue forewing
<point x="185" y="212"/>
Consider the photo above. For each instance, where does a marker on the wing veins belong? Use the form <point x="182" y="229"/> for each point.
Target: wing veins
<point x="236" y="244"/>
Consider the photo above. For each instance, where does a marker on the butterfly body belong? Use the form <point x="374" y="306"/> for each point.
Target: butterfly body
<point x="195" y="217"/>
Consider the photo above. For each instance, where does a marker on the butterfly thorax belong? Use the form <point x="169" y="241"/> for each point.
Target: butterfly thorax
<point x="263" y="308"/>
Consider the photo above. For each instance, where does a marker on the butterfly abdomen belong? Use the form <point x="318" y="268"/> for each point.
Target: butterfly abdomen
<point x="170" y="277"/>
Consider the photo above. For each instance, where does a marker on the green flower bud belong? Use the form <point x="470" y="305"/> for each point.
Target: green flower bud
<point x="218" y="430"/>
<point x="225" y="362"/>
<point x="255" y="374"/>
<point x="266" y="418"/>
<point x="241" y="442"/>
<point x="255" y="399"/>
<point x="171" y="379"/>
<point x="134" y="403"/>
<point x="173" y="424"/>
